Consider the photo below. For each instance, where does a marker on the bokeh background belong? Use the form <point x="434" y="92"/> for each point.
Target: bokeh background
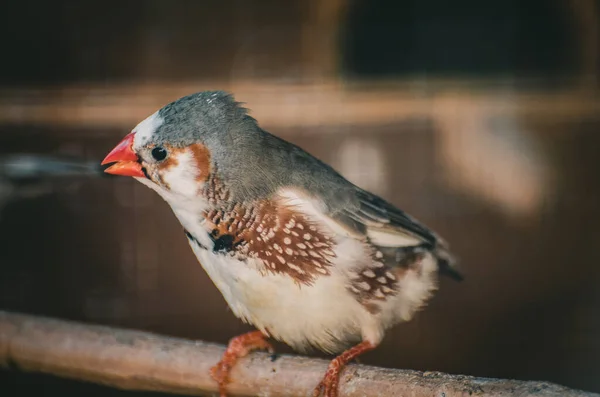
<point x="480" y="118"/>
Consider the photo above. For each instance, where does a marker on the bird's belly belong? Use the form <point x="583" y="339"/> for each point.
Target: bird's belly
<point x="323" y="315"/>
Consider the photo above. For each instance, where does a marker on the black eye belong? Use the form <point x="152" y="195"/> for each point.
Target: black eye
<point x="159" y="153"/>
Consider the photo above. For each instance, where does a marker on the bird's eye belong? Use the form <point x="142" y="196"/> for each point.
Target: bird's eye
<point x="159" y="153"/>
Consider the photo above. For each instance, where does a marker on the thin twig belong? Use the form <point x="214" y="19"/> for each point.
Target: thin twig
<point x="143" y="361"/>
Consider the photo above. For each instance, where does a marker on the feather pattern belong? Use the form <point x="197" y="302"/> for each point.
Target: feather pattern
<point x="294" y="248"/>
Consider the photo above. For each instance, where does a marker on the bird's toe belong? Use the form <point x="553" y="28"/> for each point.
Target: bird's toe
<point x="328" y="387"/>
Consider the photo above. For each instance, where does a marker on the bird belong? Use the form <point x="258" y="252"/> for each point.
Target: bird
<point x="296" y="250"/>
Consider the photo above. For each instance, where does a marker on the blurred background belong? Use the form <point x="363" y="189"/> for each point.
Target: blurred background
<point x="479" y="118"/>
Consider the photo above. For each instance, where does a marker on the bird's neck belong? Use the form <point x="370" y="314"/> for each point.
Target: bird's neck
<point x="215" y="192"/>
<point x="192" y="213"/>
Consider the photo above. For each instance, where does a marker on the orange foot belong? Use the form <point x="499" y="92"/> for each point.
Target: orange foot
<point x="238" y="347"/>
<point x="331" y="380"/>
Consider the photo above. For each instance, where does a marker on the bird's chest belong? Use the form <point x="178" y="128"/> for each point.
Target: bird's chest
<point x="244" y="288"/>
<point x="322" y="313"/>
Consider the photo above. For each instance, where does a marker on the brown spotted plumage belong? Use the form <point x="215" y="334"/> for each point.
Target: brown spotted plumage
<point x="378" y="280"/>
<point x="374" y="283"/>
<point x="285" y="241"/>
<point x="295" y="249"/>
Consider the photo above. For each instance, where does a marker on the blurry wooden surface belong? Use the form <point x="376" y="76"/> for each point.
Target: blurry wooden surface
<point x="136" y="360"/>
<point x="280" y="105"/>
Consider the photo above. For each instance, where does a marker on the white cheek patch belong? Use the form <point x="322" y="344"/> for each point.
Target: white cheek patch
<point x="144" y="130"/>
<point x="181" y="178"/>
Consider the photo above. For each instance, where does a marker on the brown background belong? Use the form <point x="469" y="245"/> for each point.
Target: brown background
<point x="480" y="120"/>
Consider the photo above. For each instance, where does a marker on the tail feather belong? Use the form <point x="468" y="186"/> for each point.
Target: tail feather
<point x="447" y="263"/>
<point x="405" y="256"/>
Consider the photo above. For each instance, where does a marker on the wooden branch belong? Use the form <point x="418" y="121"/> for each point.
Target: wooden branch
<point x="142" y="361"/>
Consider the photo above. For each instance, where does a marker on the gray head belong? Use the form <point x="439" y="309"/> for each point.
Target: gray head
<point x="208" y="116"/>
<point x="178" y="147"/>
<point x="175" y="150"/>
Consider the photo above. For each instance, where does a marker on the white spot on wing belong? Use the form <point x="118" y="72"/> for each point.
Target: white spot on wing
<point x="369" y="273"/>
<point x="296" y="268"/>
<point x="390" y="239"/>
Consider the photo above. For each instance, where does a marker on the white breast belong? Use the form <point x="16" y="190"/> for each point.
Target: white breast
<point x="324" y="314"/>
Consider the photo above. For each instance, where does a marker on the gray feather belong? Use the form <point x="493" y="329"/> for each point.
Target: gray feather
<point x="256" y="164"/>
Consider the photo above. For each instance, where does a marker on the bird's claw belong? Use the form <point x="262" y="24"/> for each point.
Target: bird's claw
<point x="238" y="347"/>
<point x="220" y="373"/>
<point x="330" y="383"/>
<point x="328" y="387"/>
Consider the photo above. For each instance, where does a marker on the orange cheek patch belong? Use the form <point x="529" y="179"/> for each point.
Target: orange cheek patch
<point x="201" y="156"/>
<point x="171" y="160"/>
<point x="200" y="161"/>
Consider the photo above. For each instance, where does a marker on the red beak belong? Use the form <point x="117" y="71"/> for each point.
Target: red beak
<point x="126" y="161"/>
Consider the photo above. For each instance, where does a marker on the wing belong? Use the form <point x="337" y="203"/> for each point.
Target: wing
<point x="384" y="224"/>
<point x="397" y="237"/>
